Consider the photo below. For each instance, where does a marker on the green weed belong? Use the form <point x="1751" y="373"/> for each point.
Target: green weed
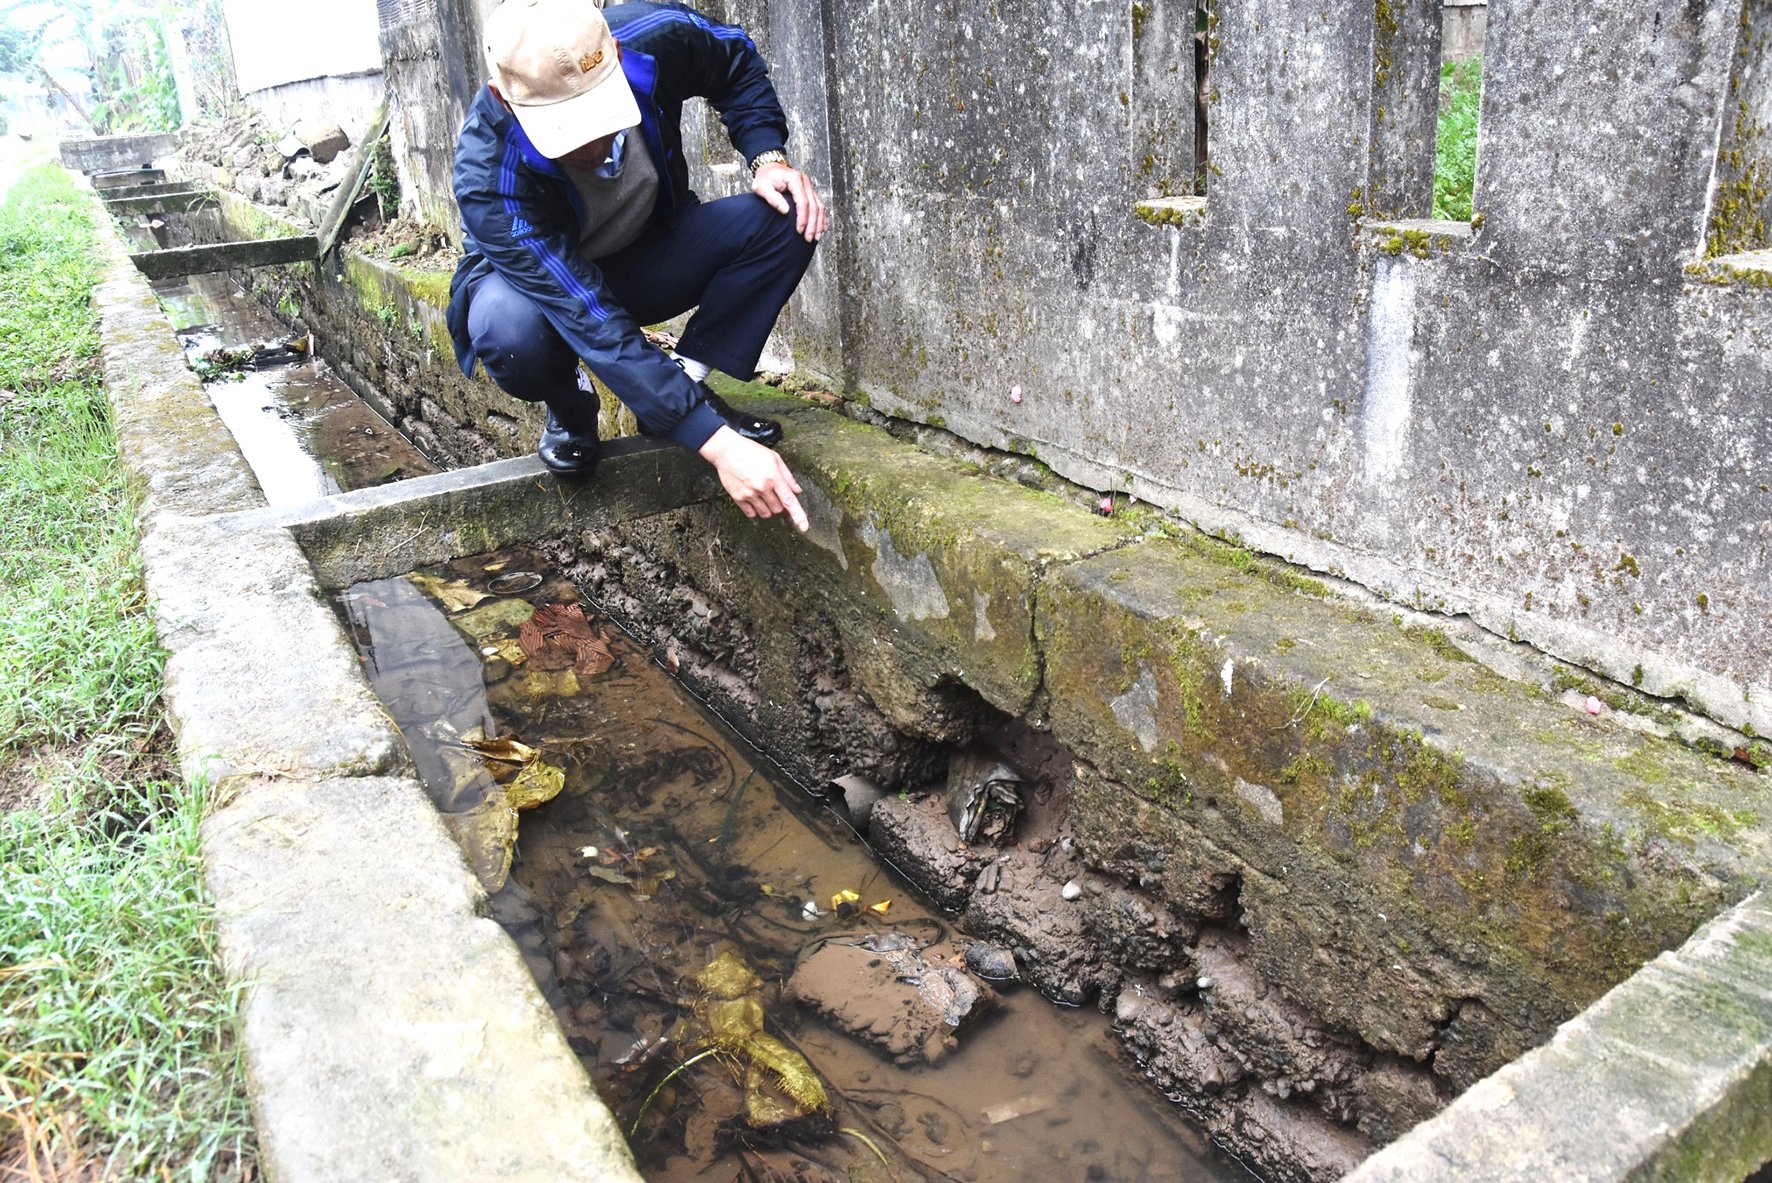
<point x="1455" y="145"/>
<point x="117" y="1051"/>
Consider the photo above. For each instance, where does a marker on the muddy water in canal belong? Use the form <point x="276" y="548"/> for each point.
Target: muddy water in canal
<point x="304" y="432"/>
<point x="755" y="996"/>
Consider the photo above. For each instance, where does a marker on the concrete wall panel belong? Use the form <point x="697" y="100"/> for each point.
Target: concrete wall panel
<point x="1542" y="420"/>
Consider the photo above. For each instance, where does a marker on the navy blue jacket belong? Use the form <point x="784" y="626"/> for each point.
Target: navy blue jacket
<point x="521" y="216"/>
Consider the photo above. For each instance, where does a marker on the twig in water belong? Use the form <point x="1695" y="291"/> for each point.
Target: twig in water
<point x="659" y="1087"/>
<point x="869" y="1143"/>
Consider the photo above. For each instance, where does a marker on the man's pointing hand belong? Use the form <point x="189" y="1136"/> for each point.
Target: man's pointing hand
<point x="754" y="477"/>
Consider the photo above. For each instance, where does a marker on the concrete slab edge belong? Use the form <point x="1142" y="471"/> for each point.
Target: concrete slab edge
<point x="1669" y="1076"/>
<point x="390" y="1029"/>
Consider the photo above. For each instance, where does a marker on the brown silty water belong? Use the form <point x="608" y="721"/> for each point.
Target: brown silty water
<point x="709" y="935"/>
<point x="304" y="432"/>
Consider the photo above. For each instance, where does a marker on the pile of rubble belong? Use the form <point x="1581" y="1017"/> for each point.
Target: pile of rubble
<point x="298" y="168"/>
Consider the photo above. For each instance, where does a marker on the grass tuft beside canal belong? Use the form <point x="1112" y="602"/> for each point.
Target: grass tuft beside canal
<point x="117" y="1050"/>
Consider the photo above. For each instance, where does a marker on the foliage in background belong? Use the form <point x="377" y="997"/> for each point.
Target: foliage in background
<point x="117" y="1055"/>
<point x="384" y="181"/>
<point x="136" y="83"/>
<point x="122" y="79"/>
<point x="205" y="32"/>
<point x="1455" y="145"/>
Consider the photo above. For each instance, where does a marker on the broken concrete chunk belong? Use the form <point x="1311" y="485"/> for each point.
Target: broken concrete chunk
<point x="889" y="993"/>
<point x="993" y="963"/>
<point x="1027" y="913"/>
<point x="324" y="142"/>
<point x="858" y="794"/>
<point x="915" y="836"/>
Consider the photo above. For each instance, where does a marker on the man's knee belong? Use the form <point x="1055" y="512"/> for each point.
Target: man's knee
<point x="780" y="232"/>
<point x="514" y="341"/>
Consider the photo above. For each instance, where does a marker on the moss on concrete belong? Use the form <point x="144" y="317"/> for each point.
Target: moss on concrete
<point x="1391" y="806"/>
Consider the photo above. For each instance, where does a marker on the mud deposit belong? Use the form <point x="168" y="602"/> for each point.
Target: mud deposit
<point x="754" y="994"/>
<point x="303" y="431"/>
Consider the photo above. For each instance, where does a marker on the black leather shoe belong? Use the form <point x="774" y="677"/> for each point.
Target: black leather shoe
<point x="566" y="453"/>
<point x="753" y="427"/>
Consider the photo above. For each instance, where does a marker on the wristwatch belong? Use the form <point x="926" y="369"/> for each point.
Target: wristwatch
<point x="773" y="156"/>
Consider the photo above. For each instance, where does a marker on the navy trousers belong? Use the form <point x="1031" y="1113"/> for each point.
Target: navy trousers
<point x="737" y="258"/>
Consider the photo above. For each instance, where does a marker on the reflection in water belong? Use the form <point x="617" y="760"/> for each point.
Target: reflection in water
<point x="669" y="892"/>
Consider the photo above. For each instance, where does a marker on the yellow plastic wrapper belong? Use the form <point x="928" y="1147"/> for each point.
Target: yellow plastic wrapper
<point x="537" y="784"/>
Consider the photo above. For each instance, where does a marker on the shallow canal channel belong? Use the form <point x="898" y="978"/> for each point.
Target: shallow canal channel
<point x="756" y="996"/>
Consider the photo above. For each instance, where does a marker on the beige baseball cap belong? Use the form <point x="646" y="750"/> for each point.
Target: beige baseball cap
<point x="555" y="63"/>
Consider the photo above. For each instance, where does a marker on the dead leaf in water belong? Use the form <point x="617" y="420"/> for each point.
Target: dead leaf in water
<point x="607" y="875"/>
<point x="454" y="594"/>
<point x="558" y="636"/>
<point x="505" y="749"/>
<point x="489" y="621"/>
<point x="487" y="835"/>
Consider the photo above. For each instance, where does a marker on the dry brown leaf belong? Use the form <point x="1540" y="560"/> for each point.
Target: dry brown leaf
<point x="454" y="594"/>
<point x="505" y="749"/>
<point x="558" y="636"/>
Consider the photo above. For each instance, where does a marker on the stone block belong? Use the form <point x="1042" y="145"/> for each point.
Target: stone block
<point x="92" y="154"/>
<point x="170" y="440"/>
<point x="225" y="256"/>
<point x="259" y="674"/>
<point x="323" y="141"/>
<point x="1027" y="911"/>
<point x="915" y="835"/>
<point x="1669" y="1076"/>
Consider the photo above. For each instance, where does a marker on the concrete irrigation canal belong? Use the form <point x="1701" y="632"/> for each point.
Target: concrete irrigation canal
<point x="590" y="830"/>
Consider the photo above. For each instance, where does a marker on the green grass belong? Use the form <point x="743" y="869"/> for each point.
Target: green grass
<point x="117" y="1051"/>
<point x="1455" y="144"/>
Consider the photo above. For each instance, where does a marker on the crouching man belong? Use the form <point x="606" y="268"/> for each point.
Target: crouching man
<point x="581" y="228"/>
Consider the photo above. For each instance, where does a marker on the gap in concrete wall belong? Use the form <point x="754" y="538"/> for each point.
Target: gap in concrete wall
<point x="1167" y="96"/>
<point x="1459" y="115"/>
<point x="1741" y="187"/>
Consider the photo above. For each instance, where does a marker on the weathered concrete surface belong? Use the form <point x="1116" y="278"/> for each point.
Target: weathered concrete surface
<point x="392" y="1029"/>
<point x="391" y="529"/>
<point x="1667" y="1077"/>
<point x="92" y="154"/>
<point x="260" y="678"/>
<point x="178" y="453"/>
<point x="114" y="194"/>
<point x="1547" y="428"/>
<point x="383" y="329"/>
<point x="182" y="199"/>
<point x="224" y="256"/>
<point x="1383" y="793"/>
<point x="1400" y="853"/>
<point x="1409" y="890"/>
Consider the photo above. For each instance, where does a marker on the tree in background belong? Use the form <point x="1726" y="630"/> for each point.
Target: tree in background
<point x="112" y="52"/>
